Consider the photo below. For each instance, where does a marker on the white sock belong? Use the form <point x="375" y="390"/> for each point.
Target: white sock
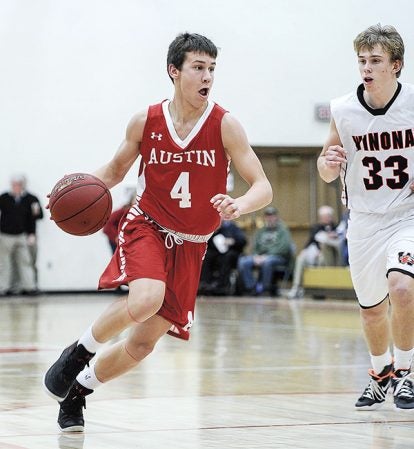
<point x="403" y="359"/>
<point x="379" y="362"/>
<point x="88" y="379"/>
<point x="89" y="342"/>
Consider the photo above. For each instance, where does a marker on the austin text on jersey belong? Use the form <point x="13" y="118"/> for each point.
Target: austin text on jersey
<point x="199" y="157"/>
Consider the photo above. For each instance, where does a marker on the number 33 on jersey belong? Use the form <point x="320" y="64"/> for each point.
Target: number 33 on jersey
<point x="380" y="150"/>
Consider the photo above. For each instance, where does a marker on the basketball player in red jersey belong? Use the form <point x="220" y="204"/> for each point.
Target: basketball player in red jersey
<point x="185" y="148"/>
<point x="371" y="146"/>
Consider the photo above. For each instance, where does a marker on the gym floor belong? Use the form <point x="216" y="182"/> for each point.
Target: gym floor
<point x="257" y="373"/>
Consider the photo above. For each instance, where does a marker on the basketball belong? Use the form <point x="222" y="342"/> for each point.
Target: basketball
<point x="80" y="204"/>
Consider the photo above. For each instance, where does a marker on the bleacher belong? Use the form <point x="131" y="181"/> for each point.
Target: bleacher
<point x="332" y="282"/>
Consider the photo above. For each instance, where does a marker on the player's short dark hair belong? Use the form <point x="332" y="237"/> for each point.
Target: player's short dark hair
<point x="387" y="37"/>
<point x="189" y="42"/>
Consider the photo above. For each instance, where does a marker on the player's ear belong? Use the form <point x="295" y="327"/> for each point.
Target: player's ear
<point x="173" y="71"/>
<point x="397" y="66"/>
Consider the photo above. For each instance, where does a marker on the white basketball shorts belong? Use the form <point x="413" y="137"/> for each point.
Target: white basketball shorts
<point x="378" y="244"/>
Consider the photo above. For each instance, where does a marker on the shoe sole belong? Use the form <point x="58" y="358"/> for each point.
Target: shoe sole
<point x="50" y="393"/>
<point x="72" y="429"/>
<point x="367" y="408"/>
<point x="403" y="410"/>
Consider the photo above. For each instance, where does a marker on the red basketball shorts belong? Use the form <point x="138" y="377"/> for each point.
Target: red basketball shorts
<point x="142" y="253"/>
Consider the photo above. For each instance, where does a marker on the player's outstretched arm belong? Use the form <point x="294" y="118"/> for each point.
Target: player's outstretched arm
<point x="115" y="170"/>
<point x="250" y="169"/>
<point x="332" y="155"/>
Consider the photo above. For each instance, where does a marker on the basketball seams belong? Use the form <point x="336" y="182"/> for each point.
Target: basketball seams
<point x="85" y="208"/>
<point x="73" y="187"/>
<point x="97" y="226"/>
<point x="74" y="180"/>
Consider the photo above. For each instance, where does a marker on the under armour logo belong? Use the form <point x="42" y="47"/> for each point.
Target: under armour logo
<point x="156" y="136"/>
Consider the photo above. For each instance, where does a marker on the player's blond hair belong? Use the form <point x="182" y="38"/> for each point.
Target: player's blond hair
<point x="387" y="37"/>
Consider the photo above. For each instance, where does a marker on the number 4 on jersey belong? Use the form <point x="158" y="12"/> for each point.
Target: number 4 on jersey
<point x="181" y="190"/>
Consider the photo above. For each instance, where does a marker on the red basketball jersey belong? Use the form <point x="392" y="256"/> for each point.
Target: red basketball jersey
<point x="179" y="177"/>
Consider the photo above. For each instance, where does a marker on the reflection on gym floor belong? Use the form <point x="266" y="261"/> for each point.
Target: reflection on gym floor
<point x="257" y="373"/>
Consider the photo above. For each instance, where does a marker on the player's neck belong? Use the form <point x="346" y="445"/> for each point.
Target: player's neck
<point x="184" y="116"/>
<point x="380" y="97"/>
<point x="183" y="113"/>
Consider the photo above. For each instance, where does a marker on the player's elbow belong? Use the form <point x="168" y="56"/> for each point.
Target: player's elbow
<point x="328" y="176"/>
<point x="327" y="173"/>
<point x="269" y="194"/>
<point x="266" y="192"/>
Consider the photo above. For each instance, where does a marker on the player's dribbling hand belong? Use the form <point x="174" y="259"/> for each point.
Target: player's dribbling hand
<point x="226" y="206"/>
<point x="335" y="156"/>
<point x="48" y="197"/>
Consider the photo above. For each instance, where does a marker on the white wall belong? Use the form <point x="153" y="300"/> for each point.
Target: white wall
<point x="74" y="71"/>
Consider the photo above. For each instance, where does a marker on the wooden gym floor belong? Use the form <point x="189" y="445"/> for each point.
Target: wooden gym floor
<point x="257" y="373"/>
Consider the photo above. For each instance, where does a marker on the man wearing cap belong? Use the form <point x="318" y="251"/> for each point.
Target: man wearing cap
<point x="272" y="246"/>
<point x="19" y="211"/>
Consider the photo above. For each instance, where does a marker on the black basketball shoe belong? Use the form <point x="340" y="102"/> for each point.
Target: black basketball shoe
<point x="403" y="384"/>
<point x="70" y="417"/>
<point x="374" y="395"/>
<point x="60" y="377"/>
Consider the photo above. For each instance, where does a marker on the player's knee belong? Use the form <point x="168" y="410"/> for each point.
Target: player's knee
<point x="401" y="291"/>
<point x="142" y="306"/>
<point x="138" y="350"/>
<point x="144" y="299"/>
<point x="375" y="314"/>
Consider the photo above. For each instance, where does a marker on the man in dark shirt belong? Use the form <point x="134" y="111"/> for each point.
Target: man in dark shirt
<point x="19" y="211"/>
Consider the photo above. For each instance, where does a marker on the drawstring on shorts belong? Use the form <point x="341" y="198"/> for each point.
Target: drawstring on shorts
<point x="171" y="238"/>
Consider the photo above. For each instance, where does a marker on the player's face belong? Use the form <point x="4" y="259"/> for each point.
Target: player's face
<point x="376" y="68"/>
<point x="197" y="77"/>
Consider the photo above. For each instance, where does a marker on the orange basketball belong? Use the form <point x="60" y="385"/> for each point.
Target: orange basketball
<point x="80" y="204"/>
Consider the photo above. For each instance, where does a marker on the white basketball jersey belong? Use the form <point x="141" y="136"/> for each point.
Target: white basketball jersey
<point x="380" y="150"/>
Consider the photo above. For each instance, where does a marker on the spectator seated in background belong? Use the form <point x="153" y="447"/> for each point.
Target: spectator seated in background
<point x="271" y="248"/>
<point x="342" y="230"/>
<point x="324" y="248"/>
<point x="223" y="251"/>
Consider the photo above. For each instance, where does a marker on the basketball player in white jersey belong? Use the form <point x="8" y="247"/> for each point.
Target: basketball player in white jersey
<point x="371" y="147"/>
